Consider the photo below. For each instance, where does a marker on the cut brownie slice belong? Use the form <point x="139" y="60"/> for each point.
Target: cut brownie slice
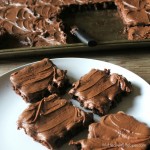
<point x="39" y="80"/>
<point x="99" y="90"/>
<point x="134" y="12"/>
<point x="139" y="33"/>
<point x="117" y="132"/>
<point x="52" y="121"/>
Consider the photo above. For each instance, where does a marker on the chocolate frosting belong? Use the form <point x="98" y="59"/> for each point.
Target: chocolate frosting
<point x="138" y="33"/>
<point x="33" y="29"/>
<point x="34" y="22"/>
<point x="134" y="12"/>
<point x="98" y="90"/>
<point x="38" y="23"/>
<point x="50" y="119"/>
<point x="38" y="79"/>
<point x="46" y="10"/>
<point x="20" y="2"/>
<point x="117" y="132"/>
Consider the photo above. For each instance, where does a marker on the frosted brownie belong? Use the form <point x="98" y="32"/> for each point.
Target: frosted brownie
<point x="53" y="121"/>
<point x="37" y="23"/>
<point x="38" y="80"/>
<point x="139" y="32"/>
<point x="30" y="30"/>
<point x="117" y="132"/>
<point x="99" y="90"/>
<point x="134" y="12"/>
<point x="135" y="15"/>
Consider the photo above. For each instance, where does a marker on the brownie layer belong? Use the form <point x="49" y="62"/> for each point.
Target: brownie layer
<point x="99" y="90"/>
<point x="38" y="80"/>
<point x="53" y="120"/>
<point x="117" y="132"/>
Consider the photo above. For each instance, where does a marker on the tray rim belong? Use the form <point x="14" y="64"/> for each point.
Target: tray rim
<point x="71" y="48"/>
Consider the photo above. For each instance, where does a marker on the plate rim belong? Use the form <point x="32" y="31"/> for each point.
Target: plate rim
<point x="77" y="58"/>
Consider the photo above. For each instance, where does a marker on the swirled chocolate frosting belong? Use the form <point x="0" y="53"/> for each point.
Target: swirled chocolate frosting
<point x="34" y="22"/>
<point x="99" y="90"/>
<point x="53" y="120"/>
<point x="139" y="32"/>
<point x="37" y="80"/>
<point x="33" y="26"/>
<point x="135" y="12"/>
<point x="116" y="132"/>
<point x="38" y="22"/>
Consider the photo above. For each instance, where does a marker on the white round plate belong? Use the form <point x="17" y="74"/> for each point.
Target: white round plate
<point x="11" y="105"/>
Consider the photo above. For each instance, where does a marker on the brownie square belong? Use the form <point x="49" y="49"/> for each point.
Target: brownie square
<point x="53" y="120"/>
<point x="99" y="90"/>
<point x="139" y="33"/>
<point x="116" y="131"/>
<point x="134" y="12"/>
<point x="38" y="80"/>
